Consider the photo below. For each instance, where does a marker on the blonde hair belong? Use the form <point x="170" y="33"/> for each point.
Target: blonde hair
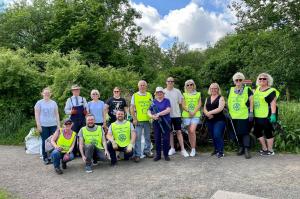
<point x="117" y="88"/>
<point x="95" y="91"/>
<point x="214" y="84"/>
<point x="238" y="75"/>
<point x="189" y="82"/>
<point x="268" y="76"/>
<point x="142" y="81"/>
<point x="46" y="89"/>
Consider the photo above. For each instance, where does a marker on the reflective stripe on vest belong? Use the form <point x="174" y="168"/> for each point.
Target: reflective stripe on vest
<point x="93" y="137"/>
<point x="121" y="133"/>
<point x="142" y="104"/>
<point x="64" y="143"/>
<point x="191" y="101"/>
<point x="261" y="107"/>
<point x="237" y="104"/>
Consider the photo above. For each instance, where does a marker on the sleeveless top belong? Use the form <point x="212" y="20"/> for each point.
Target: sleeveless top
<point x="213" y="105"/>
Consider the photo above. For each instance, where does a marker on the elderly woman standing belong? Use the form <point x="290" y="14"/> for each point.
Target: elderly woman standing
<point x="160" y="113"/>
<point x="46" y="118"/>
<point x="191" y="104"/>
<point x="240" y="105"/>
<point x="96" y="107"/>
<point x="265" y="112"/>
<point x="213" y="110"/>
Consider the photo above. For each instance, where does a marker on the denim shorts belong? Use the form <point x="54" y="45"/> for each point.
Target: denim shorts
<point x="189" y="121"/>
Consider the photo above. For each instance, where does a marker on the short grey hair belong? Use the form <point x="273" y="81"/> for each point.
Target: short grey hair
<point x="238" y="75"/>
<point x="268" y="76"/>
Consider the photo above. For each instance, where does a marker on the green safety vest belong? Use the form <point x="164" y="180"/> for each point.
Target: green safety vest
<point x="64" y="143"/>
<point x="93" y="137"/>
<point x="142" y="104"/>
<point x="121" y="133"/>
<point x="237" y="104"/>
<point x="191" y="102"/>
<point x="261" y="107"/>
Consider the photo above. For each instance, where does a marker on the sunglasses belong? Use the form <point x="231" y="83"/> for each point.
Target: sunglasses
<point x="116" y="91"/>
<point x="170" y="81"/>
<point x="190" y="85"/>
<point x="94" y="94"/>
<point x="68" y="123"/>
<point x="238" y="80"/>
<point x="262" y="78"/>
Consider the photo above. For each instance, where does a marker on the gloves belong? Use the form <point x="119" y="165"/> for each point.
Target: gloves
<point x="114" y="144"/>
<point x="250" y="116"/>
<point x="129" y="148"/>
<point x="129" y="117"/>
<point x="273" y="118"/>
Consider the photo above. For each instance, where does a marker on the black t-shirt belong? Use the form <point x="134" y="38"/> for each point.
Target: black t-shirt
<point x="213" y="105"/>
<point x="115" y="105"/>
<point x="269" y="99"/>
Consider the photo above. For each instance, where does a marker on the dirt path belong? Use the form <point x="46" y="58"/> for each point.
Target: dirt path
<point x="199" y="177"/>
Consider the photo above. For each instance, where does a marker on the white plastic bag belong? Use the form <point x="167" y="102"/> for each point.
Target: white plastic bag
<point x="33" y="142"/>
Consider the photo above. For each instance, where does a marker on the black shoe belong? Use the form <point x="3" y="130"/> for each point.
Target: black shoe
<point x="46" y="161"/>
<point x="58" y="171"/>
<point x="136" y="159"/>
<point x="64" y="165"/>
<point x="214" y="153"/>
<point x="167" y="158"/>
<point x="156" y="159"/>
<point x="247" y="153"/>
<point x="241" y="151"/>
<point x="149" y="155"/>
<point x="95" y="162"/>
<point x="220" y="155"/>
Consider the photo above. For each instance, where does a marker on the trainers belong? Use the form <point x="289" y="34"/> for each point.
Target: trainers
<point x="88" y="169"/>
<point x="193" y="153"/>
<point x="263" y="152"/>
<point x="136" y="159"/>
<point x="220" y="155"/>
<point x="214" y="153"/>
<point x="167" y="158"/>
<point x="46" y="161"/>
<point x="270" y="153"/>
<point x="171" y="151"/>
<point x="241" y="151"/>
<point x="64" y="165"/>
<point x="95" y="162"/>
<point x="184" y="153"/>
<point x="156" y="159"/>
<point x="58" y="171"/>
<point x="149" y="155"/>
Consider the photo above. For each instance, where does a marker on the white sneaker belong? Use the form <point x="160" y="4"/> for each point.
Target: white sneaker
<point x="171" y="151"/>
<point x="184" y="153"/>
<point x="193" y="153"/>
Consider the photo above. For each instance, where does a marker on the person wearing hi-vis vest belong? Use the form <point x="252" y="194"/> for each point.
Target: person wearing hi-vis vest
<point x="240" y="106"/>
<point x="76" y="107"/>
<point x="63" y="142"/>
<point x="191" y="104"/>
<point x="139" y="105"/>
<point x="92" y="143"/>
<point x="121" y="137"/>
<point x="265" y="112"/>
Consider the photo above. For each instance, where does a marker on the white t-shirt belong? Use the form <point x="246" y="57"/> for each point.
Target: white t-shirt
<point x="175" y="98"/>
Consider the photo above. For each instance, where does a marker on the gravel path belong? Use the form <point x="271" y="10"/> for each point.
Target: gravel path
<point x="200" y="177"/>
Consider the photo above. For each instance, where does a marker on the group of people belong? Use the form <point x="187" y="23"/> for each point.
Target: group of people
<point x="88" y="133"/>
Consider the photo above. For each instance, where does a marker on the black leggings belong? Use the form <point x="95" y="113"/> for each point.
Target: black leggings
<point x="263" y="126"/>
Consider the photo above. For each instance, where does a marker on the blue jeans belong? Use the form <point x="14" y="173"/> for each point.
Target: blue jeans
<point x="46" y="132"/>
<point x="139" y="129"/>
<point x="216" y="130"/>
<point x="57" y="156"/>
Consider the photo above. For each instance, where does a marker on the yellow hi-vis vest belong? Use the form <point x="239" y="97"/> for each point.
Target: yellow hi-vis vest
<point x="237" y="104"/>
<point x="261" y="107"/>
<point x="121" y="133"/>
<point x="64" y="143"/>
<point x="142" y="104"/>
<point x="93" y="137"/>
<point x="191" y="102"/>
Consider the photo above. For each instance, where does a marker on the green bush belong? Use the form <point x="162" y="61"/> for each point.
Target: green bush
<point x="288" y="137"/>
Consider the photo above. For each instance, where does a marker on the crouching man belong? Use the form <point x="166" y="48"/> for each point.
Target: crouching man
<point x="121" y="136"/>
<point x="92" y="143"/>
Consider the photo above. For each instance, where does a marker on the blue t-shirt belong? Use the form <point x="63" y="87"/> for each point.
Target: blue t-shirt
<point x="96" y="109"/>
<point x="47" y="112"/>
<point x="161" y="106"/>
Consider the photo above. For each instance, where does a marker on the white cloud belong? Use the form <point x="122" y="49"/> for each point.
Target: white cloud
<point x="191" y="24"/>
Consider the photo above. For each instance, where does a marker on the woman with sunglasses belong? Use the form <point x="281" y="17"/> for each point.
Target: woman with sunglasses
<point x="213" y="110"/>
<point x="265" y="112"/>
<point x="96" y="107"/>
<point x="63" y="142"/>
<point x="240" y="106"/>
<point x="191" y="104"/>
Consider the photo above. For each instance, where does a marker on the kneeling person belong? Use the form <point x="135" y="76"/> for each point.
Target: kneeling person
<point x="92" y="142"/>
<point x="121" y="136"/>
<point x="63" y="141"/>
